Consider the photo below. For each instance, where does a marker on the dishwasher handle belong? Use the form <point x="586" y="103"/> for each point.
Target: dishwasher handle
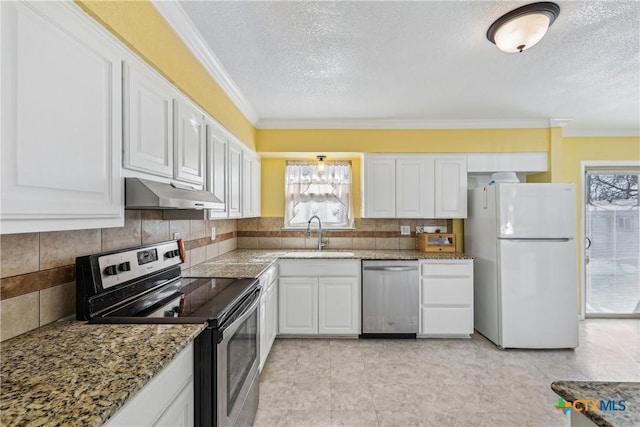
<point x="389" y="268"/>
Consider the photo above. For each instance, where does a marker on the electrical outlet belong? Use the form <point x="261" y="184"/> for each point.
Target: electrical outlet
<point x="176" y="236"/>
<point x="419" y="229"/>
<point x="405" y="230"/>
<point x="213" y="233"/>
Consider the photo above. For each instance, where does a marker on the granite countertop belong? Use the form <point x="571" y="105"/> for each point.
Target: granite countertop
<point x="251" y="263"/>
<point x="571" y="391"/>
<point x="73" y="373"/>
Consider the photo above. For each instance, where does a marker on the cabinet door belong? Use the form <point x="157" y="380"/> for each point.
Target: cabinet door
<point x="147" y="122"/>
<point x="338" y="305"/>
<point x="250" y="185"/>
<point x="379" y="195"/>
<point x="61" y="120"/>
<point x="262" y="325"/>
<point x="180" y="412"/>
<point x="451" y="187"/>
<point x="189" y="142"/>
<point x="167" y="399"/>
<point x="235" y="180"/>
<point x="217" y="167"/>
<point x="414" y="187"/>
<point x="272" y="314"/>
<point x="247" y="180"/>
<point x="298" y="305"/>
<point x="256" y="182"/>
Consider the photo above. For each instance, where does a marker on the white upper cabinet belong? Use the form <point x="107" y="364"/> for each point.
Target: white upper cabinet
<point x="414" y="186"/>
<point x="217" y="153"/>
<point x="164" y="132"/>
<point x="379" y="195"/>
<point x="451" y="187"/>
<point x="61" y="120"/>
<point x="250" y="184"/>
<point x="234" y="165"/>
<point x="147" y="121"/>
<point x="189" y="142"/>
<point x="414" y="192"/>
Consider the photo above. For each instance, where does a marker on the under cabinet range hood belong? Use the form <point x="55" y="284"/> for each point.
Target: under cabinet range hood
<point x="146" y="194"/>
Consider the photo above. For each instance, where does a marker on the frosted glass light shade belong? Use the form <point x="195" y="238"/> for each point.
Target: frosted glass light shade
<point x="523" y="27"/>
<point x="522" y="33"/>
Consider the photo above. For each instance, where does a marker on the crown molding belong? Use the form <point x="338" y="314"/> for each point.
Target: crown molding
<point x="402" y="124"/>
<point x="601" y="132"/>
<point x="184" y="28"/>
<point x="559" y="122"/>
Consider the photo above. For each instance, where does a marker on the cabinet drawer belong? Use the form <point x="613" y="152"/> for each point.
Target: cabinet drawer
<point x="464" y="268"/>
<point x="319" y="268"/>
<point x="447" y="321"/>
<point x="447" y="291"/>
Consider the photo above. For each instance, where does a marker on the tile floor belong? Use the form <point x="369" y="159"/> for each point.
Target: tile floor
<point x="436" y="382"/>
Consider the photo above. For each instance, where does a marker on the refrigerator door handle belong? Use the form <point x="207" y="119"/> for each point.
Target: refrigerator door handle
<point x="484" y="198"/>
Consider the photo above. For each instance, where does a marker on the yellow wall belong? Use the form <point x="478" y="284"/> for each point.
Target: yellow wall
<point x="402" y="141"/>
<point x="141" y="27"/>
<point x="578" y="149"/>
<point x="322" y="141"/>
<point x="272" y="191"/>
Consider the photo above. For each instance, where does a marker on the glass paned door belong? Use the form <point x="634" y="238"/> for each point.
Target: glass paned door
<point x="612" y="246"/>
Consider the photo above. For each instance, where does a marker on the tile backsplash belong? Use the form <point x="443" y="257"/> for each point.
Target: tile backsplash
<point x="267" y="233"/>
<point x="37" y="270"/>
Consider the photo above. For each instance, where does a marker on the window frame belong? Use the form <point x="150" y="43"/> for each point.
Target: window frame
<point x="349" y="224"/>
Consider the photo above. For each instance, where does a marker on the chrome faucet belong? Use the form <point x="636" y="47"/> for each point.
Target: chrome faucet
<point x="321" y="244"/>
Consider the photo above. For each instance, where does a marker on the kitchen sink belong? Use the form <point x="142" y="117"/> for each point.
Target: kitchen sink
<point x="318" y="254"/>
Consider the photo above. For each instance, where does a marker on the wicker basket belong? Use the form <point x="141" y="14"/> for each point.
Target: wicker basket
<point x="430" y="242"/>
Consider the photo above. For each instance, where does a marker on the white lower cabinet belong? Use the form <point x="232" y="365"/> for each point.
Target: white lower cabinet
<point x="167" y="400"/>
<point x="319" y="297"/>
<point x="298" y="305"/>
<point x="446" y="298"/>
<point x="338" y="303"/>
<point x="268" y="312"/>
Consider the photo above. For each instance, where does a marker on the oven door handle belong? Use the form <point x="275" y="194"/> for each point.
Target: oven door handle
<point x="238" y="321"/>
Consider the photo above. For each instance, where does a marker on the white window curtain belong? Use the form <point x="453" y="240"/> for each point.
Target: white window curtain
<point x="326" y="194"/>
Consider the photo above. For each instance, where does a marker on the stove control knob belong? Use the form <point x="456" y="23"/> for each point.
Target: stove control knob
<point x="176" y="252"/>
<point x="125" y="266"/>
<point x="111" y="270"/>
<point x="169" y="254"/>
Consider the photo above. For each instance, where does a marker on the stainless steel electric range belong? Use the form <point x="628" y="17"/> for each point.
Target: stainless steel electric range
<point x="145" y="285"/>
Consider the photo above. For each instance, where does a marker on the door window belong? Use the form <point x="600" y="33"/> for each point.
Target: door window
<point x="612" y="228"/>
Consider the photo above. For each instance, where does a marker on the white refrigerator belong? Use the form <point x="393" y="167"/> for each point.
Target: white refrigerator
<point x="525" y="272"/>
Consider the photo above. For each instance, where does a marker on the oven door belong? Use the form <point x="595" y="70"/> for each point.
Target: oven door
<point x="237" y="366"/>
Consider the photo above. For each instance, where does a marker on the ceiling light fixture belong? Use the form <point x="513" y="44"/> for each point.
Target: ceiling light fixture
<point x="523" y="27"/>
<point x="321" y="163"/>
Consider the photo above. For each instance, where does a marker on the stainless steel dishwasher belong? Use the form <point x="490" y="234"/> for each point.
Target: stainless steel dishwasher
<point x="390" y="299"/>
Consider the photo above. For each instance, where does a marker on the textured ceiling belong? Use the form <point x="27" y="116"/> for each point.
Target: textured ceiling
<point x="426" y="61"/>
